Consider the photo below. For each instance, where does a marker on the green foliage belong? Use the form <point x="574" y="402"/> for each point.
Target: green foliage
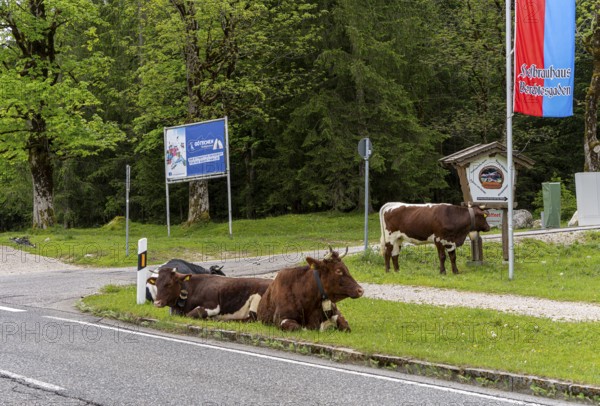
<point x="57" y="88"/>
<point x="15" y="197"/>
<point x="301" y="83"/>
<point x="48" y="66"/>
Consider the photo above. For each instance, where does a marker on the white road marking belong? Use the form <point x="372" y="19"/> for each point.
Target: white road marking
<point x="30" y="381"/>
<point x="306" y="364"/>
<point x="10" y="309"/>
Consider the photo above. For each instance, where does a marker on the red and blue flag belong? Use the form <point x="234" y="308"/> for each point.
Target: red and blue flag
<point x="544" y="57"/>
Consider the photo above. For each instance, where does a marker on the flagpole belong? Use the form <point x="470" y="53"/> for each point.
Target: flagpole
<point x="509" y="141"/>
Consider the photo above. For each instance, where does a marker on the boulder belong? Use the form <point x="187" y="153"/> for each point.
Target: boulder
<point x="574" y="222"/>
<point x="522" y="219"/>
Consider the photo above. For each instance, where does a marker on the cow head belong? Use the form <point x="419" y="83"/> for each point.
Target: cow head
<point x="168" y="286"/>
<point x="480" y="222"/>
<point x="335" y="277"/>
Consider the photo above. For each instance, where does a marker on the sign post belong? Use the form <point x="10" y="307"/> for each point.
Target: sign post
<point x="197" y="151"/>
<point x="365" y="149"/>
<point x="127" y="186"/>
<point x="142" y="274"/>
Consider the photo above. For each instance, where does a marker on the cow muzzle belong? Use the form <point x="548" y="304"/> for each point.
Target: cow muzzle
<point x="359" y="292"/>
<point x="159" y="303"/>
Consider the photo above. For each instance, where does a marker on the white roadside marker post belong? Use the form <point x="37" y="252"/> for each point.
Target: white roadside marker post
<point x="142" y="273"/>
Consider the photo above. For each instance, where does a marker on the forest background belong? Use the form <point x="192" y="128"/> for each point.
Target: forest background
<point x="87" y="86"/>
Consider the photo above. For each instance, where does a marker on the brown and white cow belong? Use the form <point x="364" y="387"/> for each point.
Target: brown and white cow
<point x="306" y="296"/>
<point x="205" y="295"/>
<point x="444" y="225"/>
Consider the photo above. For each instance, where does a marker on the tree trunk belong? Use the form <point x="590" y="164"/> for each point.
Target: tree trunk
<point x="198" y="210"/>
<point x="591" y="144"/>
<point x="250" y="176"/>
<point x="41" y="168"/>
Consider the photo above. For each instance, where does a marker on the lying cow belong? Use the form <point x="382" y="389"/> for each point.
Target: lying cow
<point x="306" y="296"/>
<point x="444" y="225"/>
<point x="182" y="267"/>
<point x="202" y="296"/>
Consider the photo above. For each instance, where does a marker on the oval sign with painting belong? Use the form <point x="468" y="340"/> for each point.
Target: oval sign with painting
<point x="491" y="177"/>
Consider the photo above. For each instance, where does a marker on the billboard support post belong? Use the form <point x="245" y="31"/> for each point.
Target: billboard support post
<point x="127" y="187"/>
<point x="228" y="178"/>
<point x="168" y="210"/>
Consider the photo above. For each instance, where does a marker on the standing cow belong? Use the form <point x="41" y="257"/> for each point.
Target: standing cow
<point x="444" y="225"/>
<point x="202" y="296"/>
<point x="306" y="296"/>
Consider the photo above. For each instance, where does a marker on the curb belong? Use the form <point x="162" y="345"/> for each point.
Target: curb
<point x="505" y="381"/>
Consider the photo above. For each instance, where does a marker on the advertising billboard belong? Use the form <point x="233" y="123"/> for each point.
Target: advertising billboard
<point x="196" y="151"/>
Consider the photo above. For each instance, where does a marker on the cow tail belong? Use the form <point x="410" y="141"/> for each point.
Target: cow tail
<point x="382" y="225"/>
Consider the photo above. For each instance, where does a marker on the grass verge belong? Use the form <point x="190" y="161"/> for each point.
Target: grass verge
<point x="553" y="271"/>
<point x="546" y="270"/>
<point x="456" y="336"/>
<point x="105" y="246"/>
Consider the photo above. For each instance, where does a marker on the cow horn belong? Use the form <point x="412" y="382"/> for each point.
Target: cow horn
<point x="345" y="253"/>
<point x="174" y="270"/>
<point x="154" y="272"/>
<point x="482" y="206"/>
<point x="329" y="254"/>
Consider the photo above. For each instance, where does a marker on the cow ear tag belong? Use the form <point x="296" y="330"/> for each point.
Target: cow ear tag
<point x="326" y="305"/>
<point x="187" y="278"/>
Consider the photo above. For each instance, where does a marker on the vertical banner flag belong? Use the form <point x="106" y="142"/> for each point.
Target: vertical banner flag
<point x="544" y="57"/>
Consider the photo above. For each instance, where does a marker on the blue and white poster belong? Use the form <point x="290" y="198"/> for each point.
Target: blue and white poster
<point x="196" y="151"/>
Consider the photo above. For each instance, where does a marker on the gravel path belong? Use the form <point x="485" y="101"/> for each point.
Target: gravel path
<point x="563" y="311"/>
<point x="15" y="261"/>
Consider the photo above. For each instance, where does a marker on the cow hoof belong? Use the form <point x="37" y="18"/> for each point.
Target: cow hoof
<point x="290" y="325"/>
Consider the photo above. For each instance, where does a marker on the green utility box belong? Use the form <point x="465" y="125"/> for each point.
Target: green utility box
<point x="551" y="194"/>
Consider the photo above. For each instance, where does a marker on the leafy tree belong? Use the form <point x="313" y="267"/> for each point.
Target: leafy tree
<point x="210" y="59"/>
<point x="47" y="110"/>
<point x="368" y="85"/>
<point x="470" y="65"/>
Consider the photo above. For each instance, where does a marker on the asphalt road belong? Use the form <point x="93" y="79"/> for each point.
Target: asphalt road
<point x="50" y="354"/>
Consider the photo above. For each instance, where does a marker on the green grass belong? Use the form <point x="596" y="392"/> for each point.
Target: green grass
<point x="105" y="246"/>
<point x="553" y="271"/>
<point x="456" y="336"/>
<point x="542" y="270"/>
